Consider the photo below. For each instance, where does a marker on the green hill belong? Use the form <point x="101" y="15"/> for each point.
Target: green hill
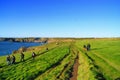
<point x="56" y="63"/>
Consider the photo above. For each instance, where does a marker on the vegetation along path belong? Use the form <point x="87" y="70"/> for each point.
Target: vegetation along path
<point x="66" y="59"/>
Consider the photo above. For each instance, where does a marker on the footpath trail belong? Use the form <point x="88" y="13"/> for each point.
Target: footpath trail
<point x="75" y="70"/>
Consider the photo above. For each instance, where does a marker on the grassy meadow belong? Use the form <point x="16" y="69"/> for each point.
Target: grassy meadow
<point x="102" y="61"/>
<point x="56" y="63"/>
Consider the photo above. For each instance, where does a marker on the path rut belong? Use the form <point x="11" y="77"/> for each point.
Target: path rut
<point x="75" y="70"/>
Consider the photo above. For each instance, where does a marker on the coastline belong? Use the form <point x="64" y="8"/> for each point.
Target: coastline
<point x="7" y="47"/>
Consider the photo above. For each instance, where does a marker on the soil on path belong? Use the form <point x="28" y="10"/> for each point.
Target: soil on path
<point x="75" y="70"/>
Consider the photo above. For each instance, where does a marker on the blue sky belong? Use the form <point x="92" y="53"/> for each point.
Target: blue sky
<point x="59" y="18"/>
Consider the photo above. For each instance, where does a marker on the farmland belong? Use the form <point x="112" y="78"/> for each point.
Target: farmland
<point x="56" y="63"/>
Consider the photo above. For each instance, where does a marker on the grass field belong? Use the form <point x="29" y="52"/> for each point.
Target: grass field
<point x="101" y="61"/>
<point x="56" y="63"/>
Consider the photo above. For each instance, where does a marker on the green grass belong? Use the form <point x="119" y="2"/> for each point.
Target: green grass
<point x="59" y="70"/>
<point x="106" y="56"/>
<point x="28" y="53"/>
<point x="84" y="72"/>
<point x="101" y="62"/>
<point x="30" y="69"/>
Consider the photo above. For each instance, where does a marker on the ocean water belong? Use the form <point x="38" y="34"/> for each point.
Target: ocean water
<point x="7" y="47"/>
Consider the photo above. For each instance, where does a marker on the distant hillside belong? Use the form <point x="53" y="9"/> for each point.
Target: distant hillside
<point x="24" y="39"/>
<point x="49" y="40"/>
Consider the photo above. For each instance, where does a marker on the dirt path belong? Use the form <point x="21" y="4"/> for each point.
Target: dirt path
<point x="75" y="70"/>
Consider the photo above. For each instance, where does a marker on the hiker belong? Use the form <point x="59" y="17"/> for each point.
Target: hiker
<point x="46" y="49"/>
<point x="88" y="47"/>
<point x="8" y="59"/>
<point x="33" y="55"/>
<point x="13" y="59"/>
<point x="84" y="46"/>
<point x="21" y="56"/>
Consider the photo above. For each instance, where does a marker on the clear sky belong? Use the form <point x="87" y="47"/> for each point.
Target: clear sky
<point x="59" y="18"/>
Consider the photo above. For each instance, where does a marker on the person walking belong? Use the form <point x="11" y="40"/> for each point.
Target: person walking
<point x="21" y="56"/>
<point x="84" y="46"/>
<point x="88" y="47"/>
<point x="47" y="49"/>
<point x="13" y="59"/>
<point x="8" y="60"/>
<point x="33" y="55"/>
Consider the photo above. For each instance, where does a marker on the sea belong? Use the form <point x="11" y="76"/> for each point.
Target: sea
<point x="7" y="47"/>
